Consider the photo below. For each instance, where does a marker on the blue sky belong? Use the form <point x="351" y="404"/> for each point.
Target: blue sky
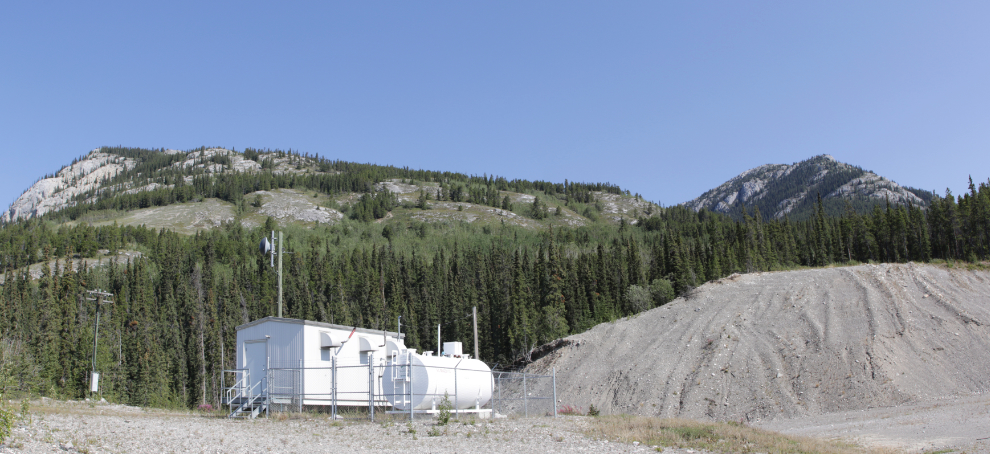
<point x="667" y="99"/>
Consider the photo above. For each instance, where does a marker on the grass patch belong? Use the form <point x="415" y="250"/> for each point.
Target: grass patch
<point x="718" y="437"/>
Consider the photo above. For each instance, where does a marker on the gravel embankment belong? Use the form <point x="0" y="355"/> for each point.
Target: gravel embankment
<point x="789" y="345"/>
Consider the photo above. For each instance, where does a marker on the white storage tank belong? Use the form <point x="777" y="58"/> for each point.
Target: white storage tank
<point x="422" y="380"/>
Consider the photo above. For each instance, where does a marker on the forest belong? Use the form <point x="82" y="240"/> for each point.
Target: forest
<point x="168" y="335"/>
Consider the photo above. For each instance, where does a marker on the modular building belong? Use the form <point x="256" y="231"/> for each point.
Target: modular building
<point x="285" y="364"/>
<point x="298" y="362"/>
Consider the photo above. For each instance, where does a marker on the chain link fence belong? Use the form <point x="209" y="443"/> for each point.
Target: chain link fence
<point x="366" y="391"/>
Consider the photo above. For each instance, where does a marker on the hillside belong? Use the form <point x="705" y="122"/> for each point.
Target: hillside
<point x="779" y="190"/>
<point x="174" y="235"/>
<point x="199" y="189"/>
<point x="779" y="345"/>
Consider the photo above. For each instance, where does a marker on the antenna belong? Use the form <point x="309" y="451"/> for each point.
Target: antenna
<point x="271" y="249"/>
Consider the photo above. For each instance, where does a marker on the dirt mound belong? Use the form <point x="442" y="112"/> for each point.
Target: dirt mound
<point x="788" y="344"/>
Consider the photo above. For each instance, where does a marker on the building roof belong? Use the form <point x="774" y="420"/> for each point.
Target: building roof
<point x="295" y="321"/>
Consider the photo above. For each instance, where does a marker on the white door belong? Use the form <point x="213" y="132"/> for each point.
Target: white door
<point x="256" y="362"/>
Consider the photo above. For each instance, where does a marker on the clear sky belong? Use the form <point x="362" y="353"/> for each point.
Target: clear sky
<point x="665" y="98"/>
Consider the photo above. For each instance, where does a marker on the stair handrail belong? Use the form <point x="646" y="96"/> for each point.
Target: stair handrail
<point x="238" y="385"/>
<point x="250" y="399"/>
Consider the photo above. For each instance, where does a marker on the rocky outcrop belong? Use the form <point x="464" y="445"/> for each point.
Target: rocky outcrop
<point x="779" y="189"/>
<point x="55" y="193"/>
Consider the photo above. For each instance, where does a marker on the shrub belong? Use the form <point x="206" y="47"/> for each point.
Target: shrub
<point x="569" y="410"/>
<point x="592" y="411"/>
<point x="6" y="421"/>
<point x="444" y="407"/>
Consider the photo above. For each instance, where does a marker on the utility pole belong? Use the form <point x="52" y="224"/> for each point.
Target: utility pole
<point x="279" y="274"/>
<point x="100" y="297"/>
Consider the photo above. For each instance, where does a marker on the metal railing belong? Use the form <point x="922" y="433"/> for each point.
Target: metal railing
<point x="245" y="396"/>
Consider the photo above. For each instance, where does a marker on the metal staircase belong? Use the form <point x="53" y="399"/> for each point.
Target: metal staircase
<point x="246" y="401"/>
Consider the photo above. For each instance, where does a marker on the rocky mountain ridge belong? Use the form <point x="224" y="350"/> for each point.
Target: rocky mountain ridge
<point x="95" y="176"/>
<point x="780" y="190"/>
<point x="91" y="174"/>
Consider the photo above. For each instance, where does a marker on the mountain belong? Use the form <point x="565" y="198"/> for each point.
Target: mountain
<point x="191" y="190"/>
<point x="779" y="190"/>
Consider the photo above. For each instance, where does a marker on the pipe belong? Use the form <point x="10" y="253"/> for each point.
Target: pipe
<point x="474" y="313"/>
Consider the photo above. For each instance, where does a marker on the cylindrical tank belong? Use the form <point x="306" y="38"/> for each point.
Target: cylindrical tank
<point x="466" y="382"/>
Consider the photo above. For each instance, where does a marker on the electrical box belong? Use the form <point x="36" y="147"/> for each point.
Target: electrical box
<point x="453" y="349"/>
<point x="94" y="382"/>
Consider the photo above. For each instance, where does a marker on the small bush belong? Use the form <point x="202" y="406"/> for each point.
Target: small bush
<point x="6" y="421"/>
<point x="569" y="410"/>
<point x="593" y="411"/>
<point x="444" y="407"/>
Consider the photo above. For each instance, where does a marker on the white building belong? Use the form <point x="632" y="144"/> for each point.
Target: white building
<point x="285" y="364"/>
<point x="292" y="362"/>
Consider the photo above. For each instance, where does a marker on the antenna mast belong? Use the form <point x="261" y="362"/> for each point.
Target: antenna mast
<point x="273" y="248"/>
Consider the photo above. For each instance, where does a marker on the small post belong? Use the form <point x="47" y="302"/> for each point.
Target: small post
<point x="474" y="313"/>
<point x="554" y="392"/>
<point x="439" y="347"/>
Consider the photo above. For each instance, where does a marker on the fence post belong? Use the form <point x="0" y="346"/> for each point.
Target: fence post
<point x="410" y="371"/>
<point x="371" y="385"/>
<point x="333" y="385"/>
<point x="554" y="392"/>
<point x="499" y="392"/>
<point x="525" y="397"/>
<point x="456" y="413"/>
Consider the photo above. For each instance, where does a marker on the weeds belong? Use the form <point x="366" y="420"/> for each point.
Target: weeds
<point x="718" y="437"/>
<point x="6" y="420"/>
<point x="444" y="408"/>
<point x="26" y="411"/>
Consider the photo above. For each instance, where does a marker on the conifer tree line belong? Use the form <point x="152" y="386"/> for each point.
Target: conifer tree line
<point x="169" y="335"/>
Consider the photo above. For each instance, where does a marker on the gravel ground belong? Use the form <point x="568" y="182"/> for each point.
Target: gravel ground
<point x="107" y="428"/>
<point x="959" y="425"/>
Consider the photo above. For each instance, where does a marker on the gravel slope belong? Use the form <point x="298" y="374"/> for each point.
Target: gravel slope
<point x="788" y="344"/>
